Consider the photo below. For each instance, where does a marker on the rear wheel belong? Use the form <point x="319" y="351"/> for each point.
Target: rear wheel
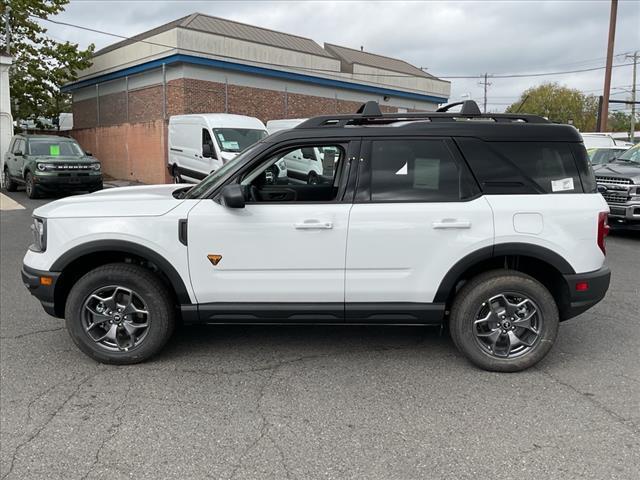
<point x="120" y="314"/>
<point x="504" y="321"/>
<point x="175" y="173"/>
<point x="31" y="188"/>
<point x="7" y="182"/>
<point x="313" y="179"/>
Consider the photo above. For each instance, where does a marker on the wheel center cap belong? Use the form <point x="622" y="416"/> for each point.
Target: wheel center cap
<point x="506" y="324"/>
<point x="116" y="317"/>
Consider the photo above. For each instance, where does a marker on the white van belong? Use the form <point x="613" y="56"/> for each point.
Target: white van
<point x="274" y="126"/>
<point x="201" y="143"/>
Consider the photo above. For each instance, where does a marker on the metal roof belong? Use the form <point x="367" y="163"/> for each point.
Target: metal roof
<point x="229" y="28"/>
<point x="360" y="57"/>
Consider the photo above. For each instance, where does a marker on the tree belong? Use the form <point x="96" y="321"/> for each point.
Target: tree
<point x="620" y="122"/>
<point x="41" y="64"/>
<point x="559" y="104"/>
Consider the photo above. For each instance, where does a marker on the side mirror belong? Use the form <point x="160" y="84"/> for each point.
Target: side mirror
<point x="88" y="154"/>
<point x="232" y="196"/>
<point x="208" y="151"/>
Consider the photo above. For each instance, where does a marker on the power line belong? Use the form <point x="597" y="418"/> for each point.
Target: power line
<point x="311" y="69"/>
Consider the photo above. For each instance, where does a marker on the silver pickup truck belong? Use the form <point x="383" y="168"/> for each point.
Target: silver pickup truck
<point x="619" y="183"/>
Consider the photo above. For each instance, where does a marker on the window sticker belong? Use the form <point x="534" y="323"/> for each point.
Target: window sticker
<point x="404" y="170"/>
<point x="54" y="150"/>
<point x="229" y="145"/>
<point x="221" y="137"/>
<point x="562" y="185"/>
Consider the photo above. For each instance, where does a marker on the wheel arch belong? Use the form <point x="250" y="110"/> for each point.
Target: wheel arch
<point x="81" y="259"/>
<point x="541" y="263"/>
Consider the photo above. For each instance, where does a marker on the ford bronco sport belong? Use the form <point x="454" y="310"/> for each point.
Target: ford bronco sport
<point x="490" y="224"/>
<point x="48" y="164"/>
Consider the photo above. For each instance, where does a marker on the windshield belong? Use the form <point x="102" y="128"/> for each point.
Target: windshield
<point x="237" y="139"/>
<point x="600" y="156"/>
<point x="631" y="155"/>
<point x="213" y="178"/>
<point x="55" y="148"/>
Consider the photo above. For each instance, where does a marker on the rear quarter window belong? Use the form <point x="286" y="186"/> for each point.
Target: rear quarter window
<point x="523" y="167"/>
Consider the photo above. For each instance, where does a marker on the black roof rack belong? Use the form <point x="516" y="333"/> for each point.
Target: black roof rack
<point x="370" y="114"/>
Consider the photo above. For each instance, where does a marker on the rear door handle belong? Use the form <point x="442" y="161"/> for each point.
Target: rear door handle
<point x="451" y="223"/>
<point x="313" y="225"/>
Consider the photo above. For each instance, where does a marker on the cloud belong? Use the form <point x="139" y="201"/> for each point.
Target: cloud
<point x="449" y="38"/>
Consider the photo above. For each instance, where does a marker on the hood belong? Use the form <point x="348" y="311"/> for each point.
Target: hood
<point x="144" y="201"/>
<point x="226" y="156"/>
<point x="619" y="169"/>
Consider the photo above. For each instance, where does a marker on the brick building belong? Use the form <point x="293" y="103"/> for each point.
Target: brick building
<point x="199" y="64"/>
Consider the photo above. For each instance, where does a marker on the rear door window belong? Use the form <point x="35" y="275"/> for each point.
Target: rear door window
<point x="413" y="171"/>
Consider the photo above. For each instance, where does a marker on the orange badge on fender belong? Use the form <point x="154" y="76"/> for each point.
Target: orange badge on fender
<point x="214" y="259"/>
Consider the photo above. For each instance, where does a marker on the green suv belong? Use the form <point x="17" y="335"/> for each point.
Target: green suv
<point x="49" y="163"/>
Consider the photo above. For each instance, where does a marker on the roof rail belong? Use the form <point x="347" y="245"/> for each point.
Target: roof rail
<point x="370" y="114"/>
<point x="469" y="107"/>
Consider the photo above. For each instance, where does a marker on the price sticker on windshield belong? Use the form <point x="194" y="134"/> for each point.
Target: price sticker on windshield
<point x="54" y="150"/>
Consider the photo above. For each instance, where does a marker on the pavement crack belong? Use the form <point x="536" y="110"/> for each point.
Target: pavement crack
<point x="590" y="398"/>
<point x="46" y="423"/>
<point x="113" y="431"/>
<point x="28" y="334"/>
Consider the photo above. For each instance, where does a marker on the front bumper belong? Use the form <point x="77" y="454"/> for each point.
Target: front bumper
<point x="580" y="301"/>
<point x="44" y="292"/>
<point x="624" y="216"/>
<point x="68" y="181"/>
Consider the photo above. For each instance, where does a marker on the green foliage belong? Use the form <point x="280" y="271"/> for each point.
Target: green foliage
<point x="41" y="64"/>
<point x="620" y="122"/>
<point x="559" y="104"/>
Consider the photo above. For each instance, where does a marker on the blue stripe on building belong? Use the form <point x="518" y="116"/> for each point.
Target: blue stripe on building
<point x="239" y="67"/>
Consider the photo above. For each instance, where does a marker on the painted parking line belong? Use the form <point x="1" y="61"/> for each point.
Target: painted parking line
<point x="7" y="203"/>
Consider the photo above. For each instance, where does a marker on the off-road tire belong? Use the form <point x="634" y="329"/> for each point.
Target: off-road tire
<point x="468" y="302"/>
<point x="150" y="288"/>
<point x="31" y="189"/>
<point x="7" y="182"/>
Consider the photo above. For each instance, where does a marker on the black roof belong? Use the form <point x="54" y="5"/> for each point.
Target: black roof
<point x="469" y="122"/>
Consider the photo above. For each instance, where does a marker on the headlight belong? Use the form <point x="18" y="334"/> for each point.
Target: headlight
<point x="46" y="166"/>
<point x="39" y="230"/>
<point x="95" y="166"/>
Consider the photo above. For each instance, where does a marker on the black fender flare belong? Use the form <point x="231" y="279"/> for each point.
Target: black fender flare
<point x="123" y="246"/>
<point x="543" y="254"/>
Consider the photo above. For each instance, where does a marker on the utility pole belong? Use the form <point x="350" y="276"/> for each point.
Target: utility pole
<point x="633" y="96"/>
<point x="604" y="113"/>
<point x="485" y="84"/>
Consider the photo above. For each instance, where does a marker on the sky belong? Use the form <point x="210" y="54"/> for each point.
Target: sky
<point x="450" y="38"/>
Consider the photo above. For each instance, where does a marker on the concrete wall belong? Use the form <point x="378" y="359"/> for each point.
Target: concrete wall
<point x="129" y="151"/>
<point x="6" y="120"/>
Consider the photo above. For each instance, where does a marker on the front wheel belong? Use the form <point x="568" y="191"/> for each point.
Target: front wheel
<point x="120" y="314"/>
<point x="31" y="189"/>
<point x="504" y="321"/>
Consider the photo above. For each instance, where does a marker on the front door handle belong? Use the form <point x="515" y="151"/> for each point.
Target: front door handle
<point x="451" y="223"/>
<point x="313" y="225"/>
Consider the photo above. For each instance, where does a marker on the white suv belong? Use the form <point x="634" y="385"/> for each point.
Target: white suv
<point x="488" y="223"/>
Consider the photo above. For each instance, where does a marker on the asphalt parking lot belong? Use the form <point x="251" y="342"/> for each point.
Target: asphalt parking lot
<point x="317" y="402"/>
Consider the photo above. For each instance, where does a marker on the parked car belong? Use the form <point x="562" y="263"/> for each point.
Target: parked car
<point x="619" y="183"/>
<point x="47" y="164"/>
<point x="600" y="139"/>
<point x="494" y="229"/>
<point x="601" y="155"/>
<point x="201" y="144"/>
<point x="311" y="165"/>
